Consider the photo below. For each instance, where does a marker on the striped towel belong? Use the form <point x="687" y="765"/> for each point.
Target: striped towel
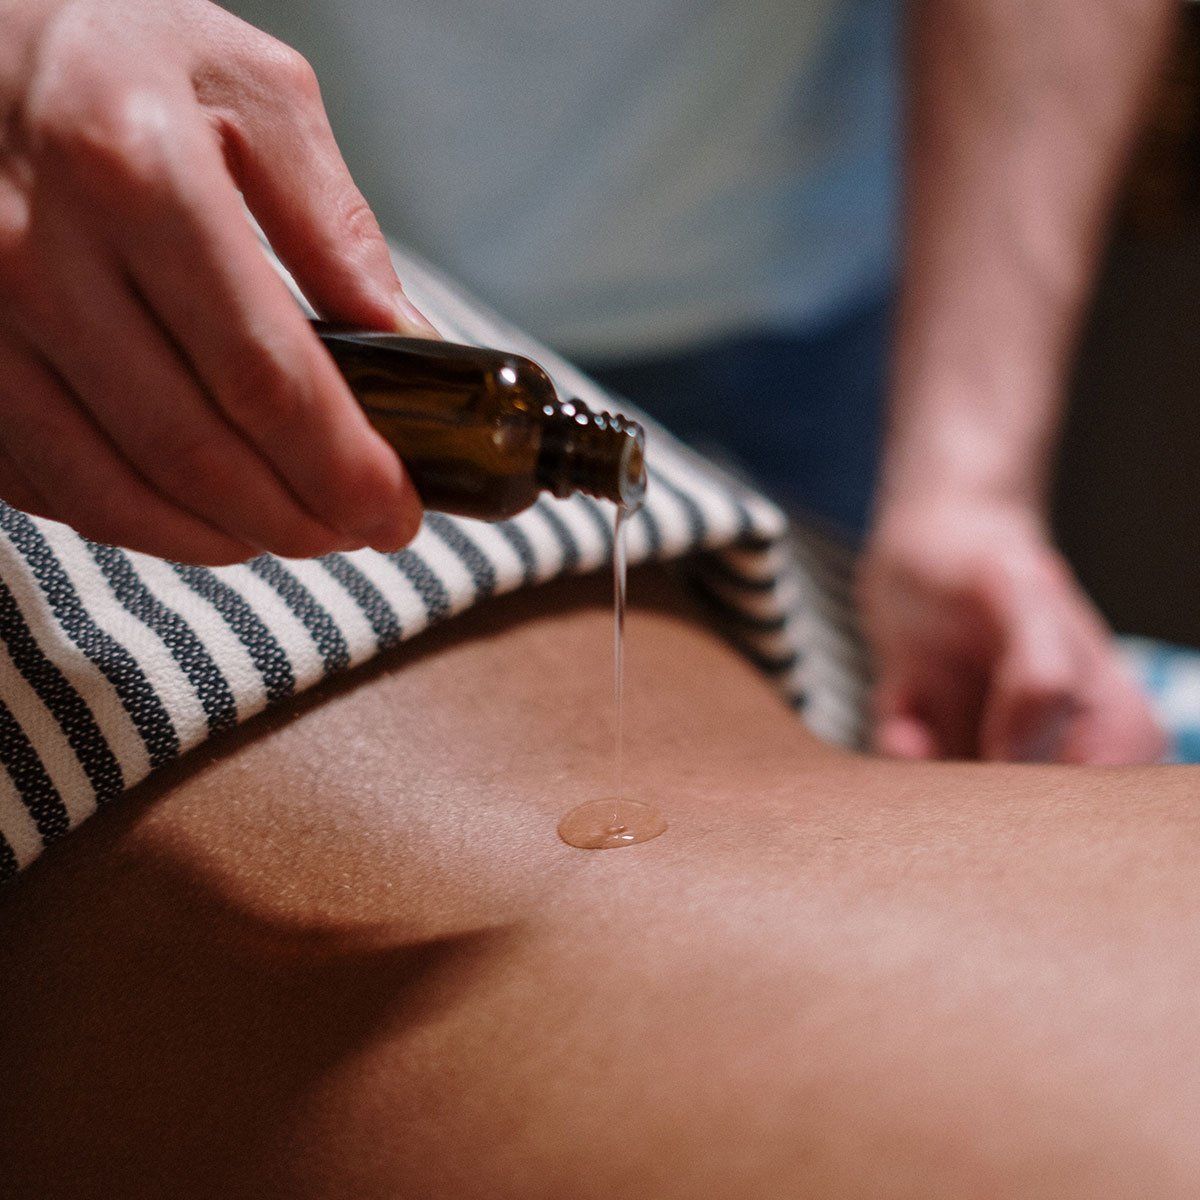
<point x="114" y="663"/>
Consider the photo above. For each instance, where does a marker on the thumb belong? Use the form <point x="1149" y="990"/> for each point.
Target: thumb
<point x="284" y="158"/>
<point x="896" y="730"/>
<point x="1033" y="694"/>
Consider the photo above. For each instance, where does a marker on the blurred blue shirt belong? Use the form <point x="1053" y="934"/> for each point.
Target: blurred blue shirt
<point x="622" y="177"/>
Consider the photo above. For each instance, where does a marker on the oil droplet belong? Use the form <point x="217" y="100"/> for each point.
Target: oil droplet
<point x="610" y="823"/>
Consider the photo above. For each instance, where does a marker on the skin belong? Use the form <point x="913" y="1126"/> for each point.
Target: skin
<point x="343" y="954"/>
<point x="159" y="388"/>
<point x="1020" y="117"/>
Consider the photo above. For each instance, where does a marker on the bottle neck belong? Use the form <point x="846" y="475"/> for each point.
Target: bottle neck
<point x="599" y="453"/>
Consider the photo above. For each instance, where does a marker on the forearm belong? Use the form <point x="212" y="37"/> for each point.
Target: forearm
<point x="1020" y="116"/>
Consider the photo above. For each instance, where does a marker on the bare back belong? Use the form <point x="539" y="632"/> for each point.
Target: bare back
<point x="343" y="954"/>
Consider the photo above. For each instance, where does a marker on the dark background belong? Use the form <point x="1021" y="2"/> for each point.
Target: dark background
<point x="1127" y="504"/>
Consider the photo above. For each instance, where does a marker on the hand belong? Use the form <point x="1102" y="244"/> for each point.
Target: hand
<point x="159" y="389"/>
<point x="985" y="646"/>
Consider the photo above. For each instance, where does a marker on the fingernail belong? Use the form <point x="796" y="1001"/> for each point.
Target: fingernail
<point x="409" y="319"/>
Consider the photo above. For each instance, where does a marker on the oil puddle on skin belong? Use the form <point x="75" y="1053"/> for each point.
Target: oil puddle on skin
<point x="614" y="821"/>
<point x="611" y="823"/>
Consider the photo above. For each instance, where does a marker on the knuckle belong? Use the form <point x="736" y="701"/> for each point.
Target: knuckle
<point x="357" y="220"/>
<point x="288" y="70"/>
<point x="1047" y="684"/>
<point x="193" y="460"/>
<point x="265" y="396"/>
<point x="115" y="141"/>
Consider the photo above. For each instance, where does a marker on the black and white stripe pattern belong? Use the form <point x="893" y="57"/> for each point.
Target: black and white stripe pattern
<point x="113" y="663"/>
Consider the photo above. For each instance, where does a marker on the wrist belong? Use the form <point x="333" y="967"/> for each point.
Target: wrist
<point x="939" y="489"/>
<point x="933" y="521"/>
<point x="977" y="380"/>
<point x="960" y="444"/>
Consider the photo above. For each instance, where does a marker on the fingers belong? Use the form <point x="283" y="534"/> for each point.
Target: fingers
<point x="157" y="187"/>
<point x="62" y="454"/>
<point x="287" y="164"/>
<point x="925" y="713"/>
<point x="1026" y="724"/>
<point x="1038" y="680"/>
<point x="1117" y="724"/>
<point x="986" y="647"/>
<point x="1094" y="714"/>
<point x="138" y="389"/>
<point x="123" y="139"/>
<point x="1118" y="727"/>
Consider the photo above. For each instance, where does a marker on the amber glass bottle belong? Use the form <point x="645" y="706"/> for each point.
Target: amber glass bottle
<point x="482" y="432"/>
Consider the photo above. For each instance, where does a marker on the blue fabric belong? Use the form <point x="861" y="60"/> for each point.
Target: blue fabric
<point x="802" y="412"/>
<point x="1171" y="676"/>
